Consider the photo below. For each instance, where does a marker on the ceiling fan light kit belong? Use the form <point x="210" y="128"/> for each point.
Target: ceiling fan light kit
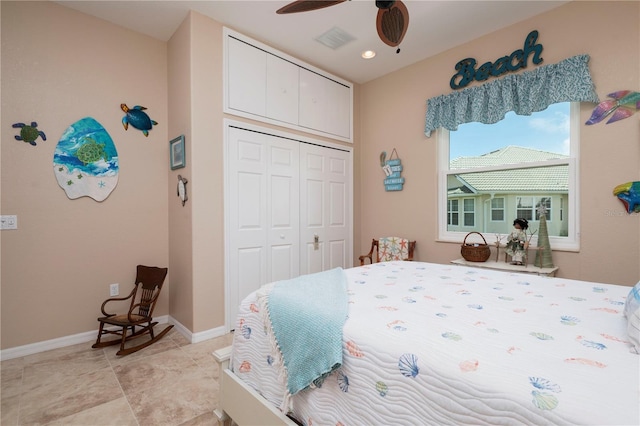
<point x="392" y="20"/>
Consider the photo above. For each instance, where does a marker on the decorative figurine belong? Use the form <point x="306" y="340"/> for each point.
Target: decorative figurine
<point x="543" y="256"/>
<point x="498" y="241"/>
<point x="623" y="104"/>
<point x="137" y="118"/>
<point x="517" y="241"/>
<point x="629" y="194"/>
<point x="29" y="133"/>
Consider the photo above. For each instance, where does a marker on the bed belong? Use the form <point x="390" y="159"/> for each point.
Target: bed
<point x="440" y="344"/>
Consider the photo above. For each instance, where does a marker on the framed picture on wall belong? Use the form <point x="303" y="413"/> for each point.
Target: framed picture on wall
<point x="176" y="153"/>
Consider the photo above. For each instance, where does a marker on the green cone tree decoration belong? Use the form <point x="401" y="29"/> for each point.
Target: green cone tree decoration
<point x="543" y="241"/>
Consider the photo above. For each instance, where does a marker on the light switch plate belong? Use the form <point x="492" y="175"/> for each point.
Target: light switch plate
<point x="9" y="221"/>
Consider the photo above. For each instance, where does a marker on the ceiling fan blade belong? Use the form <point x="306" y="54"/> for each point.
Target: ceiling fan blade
<point x="306" y="6"/>
<point x="392" y="23"/>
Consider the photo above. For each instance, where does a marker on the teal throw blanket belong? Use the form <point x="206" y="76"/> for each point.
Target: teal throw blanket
<point x="307" y="315"/>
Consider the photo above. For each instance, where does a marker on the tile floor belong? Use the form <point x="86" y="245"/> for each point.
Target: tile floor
<point x="170" y="382"/>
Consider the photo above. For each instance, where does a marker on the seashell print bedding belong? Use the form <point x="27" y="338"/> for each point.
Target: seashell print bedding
<point x="443" y="344"/>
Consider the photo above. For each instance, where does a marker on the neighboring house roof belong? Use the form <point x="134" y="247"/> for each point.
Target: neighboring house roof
<point x="540" y="179"/>
<point x="552" y="179"/>
<point x="508" y="155"/>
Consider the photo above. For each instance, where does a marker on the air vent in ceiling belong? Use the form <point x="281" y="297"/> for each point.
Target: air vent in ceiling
<point x="335" y="38"/>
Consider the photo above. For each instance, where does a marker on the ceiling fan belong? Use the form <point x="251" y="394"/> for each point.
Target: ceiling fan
<point x="392" y="20"/>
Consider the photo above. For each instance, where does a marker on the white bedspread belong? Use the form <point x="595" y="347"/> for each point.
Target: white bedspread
<point x="439" y="344"/>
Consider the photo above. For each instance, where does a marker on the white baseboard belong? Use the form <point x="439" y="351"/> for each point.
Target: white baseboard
<point x="90" y="336"/>
<point x="197" y="337"/>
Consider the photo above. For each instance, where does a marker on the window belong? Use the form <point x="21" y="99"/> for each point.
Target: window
<point x="497" y="209"/>
<point x="524" y="207"/>
<point x="491" y="174"/>
<point x="469" y="212"/>
<point x="526" y="210"/>
<point x="452" y="212"/>
<point x="546" y="202"/>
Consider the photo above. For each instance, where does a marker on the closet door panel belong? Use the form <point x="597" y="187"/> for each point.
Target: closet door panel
<point x="337" y="254"/>
<point x="283" y="194"/>
<point x="338" y="210"/>
<point x="248" y="279"/>
<point x="286" y="210"/>
<point x="324" y="208"/>
<point x="312" y="219"/>
<point x="247" y="215"/>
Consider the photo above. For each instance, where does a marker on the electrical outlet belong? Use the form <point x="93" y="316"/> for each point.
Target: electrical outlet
<point x="9" y="221"/>
<point x="114" y="289"/>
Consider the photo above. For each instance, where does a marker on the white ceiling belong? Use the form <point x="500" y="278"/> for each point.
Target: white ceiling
<point x="434" y="26"/>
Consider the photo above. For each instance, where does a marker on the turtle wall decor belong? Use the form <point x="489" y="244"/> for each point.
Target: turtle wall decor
<point x="29" y="133"/>
<point x="137" y="118"/>
<point x="85" y="161"/>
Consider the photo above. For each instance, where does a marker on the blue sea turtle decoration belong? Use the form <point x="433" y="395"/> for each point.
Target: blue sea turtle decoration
<point x="137" y="118"/>
<point x="29" y="133"/>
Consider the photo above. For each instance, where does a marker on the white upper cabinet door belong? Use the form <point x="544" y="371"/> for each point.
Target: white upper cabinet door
<point x="247" y="77"/>
<point x="282" y="90"/>
<point x="324" y="104"/>
<point x="339" y="112"/>
<point x="264" y="84"/>
<point x="313" y="106"/>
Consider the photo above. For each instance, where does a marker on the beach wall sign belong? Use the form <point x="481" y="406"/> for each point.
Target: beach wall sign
<point x="518" y="59"/>
<point x="393" y="170"/>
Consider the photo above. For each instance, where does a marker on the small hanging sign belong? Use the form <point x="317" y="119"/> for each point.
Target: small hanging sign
<point x="392" y="169"/>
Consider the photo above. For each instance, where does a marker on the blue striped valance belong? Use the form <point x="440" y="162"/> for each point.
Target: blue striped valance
<point x="524" y="93"/>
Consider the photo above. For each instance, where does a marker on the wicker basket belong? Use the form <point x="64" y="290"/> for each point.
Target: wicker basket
<point x="475" y="252"/>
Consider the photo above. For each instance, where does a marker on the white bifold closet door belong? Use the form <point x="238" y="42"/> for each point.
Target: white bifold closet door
<point x="324" y="209"/>
<point x="288" y="211"/>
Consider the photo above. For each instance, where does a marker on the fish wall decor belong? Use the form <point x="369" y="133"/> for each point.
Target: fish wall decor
<point x="623" y="104"/>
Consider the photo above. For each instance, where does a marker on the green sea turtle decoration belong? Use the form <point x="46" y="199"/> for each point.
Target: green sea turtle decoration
<point x="91" y="151"/>
<point x="137" y="118"/>
<point x="29" y="133"/>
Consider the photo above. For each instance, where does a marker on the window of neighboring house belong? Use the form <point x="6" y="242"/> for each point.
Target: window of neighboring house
<point x="524" y="208"/>
<point x="497" y="209"/>
<point x="469" y="212"/>
<point x="527" y="207"/>
<point x="530" y="161"/>
<point x="452" y="212"/>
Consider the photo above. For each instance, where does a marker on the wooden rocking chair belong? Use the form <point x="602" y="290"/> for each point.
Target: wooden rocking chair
<point x="393" y="248"/>
<point x="149" y="280"/>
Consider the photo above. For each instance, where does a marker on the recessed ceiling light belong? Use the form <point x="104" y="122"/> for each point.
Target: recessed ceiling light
<point x="368" y="54"/>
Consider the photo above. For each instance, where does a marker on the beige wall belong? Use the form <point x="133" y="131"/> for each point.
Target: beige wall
<point x="393" y="110"/>
<point x="180" y="217"/>
<point x="59" y="65"/>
